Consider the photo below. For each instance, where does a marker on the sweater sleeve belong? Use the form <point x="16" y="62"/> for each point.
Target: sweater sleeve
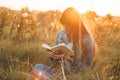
<point x="62" y="37"/>
<point x="58" y="37"/>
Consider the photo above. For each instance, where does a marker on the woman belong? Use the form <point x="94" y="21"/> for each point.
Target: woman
<point x="77" y="37"/>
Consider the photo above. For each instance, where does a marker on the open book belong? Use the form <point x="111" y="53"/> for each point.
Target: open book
<point x="60" y="47"/>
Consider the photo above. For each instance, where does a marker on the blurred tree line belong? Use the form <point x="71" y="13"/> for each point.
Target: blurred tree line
<point x="25" y="22"/>
<point x="19" y="25"/>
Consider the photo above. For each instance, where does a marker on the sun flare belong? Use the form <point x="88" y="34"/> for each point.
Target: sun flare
<point x="101" y="7"/>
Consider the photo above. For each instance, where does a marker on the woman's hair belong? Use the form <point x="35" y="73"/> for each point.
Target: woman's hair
<point x="71" y="18"/>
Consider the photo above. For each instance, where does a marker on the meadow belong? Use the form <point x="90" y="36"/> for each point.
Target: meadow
<point x="23" y="32"/>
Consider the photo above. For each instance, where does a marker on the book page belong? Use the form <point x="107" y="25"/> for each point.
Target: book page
<point x="62" y="48"/>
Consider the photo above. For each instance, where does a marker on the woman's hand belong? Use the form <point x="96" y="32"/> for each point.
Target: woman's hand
<point x="56" y="55"/>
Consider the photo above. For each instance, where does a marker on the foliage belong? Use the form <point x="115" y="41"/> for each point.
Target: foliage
<point x="23" y="33"/>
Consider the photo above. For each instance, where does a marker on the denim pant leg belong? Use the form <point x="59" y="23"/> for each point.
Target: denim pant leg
<point x="47" y="70"/>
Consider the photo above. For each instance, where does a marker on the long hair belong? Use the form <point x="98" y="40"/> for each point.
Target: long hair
<point x="71" y="18"/>
<point x="78" y="28"/>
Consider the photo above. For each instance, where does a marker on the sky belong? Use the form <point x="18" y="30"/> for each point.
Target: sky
<point x="101" y="7"/>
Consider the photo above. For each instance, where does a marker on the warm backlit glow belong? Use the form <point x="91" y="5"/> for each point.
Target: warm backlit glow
<point x="101" y="7"/>
<point x="36" y="79"/>
<point x="40" y="73"/>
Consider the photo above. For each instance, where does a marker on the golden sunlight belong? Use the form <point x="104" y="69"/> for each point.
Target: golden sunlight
<point x="101" y="7"/>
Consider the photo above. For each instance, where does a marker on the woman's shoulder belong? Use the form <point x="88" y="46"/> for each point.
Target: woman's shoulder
<point x="61" y="32"/>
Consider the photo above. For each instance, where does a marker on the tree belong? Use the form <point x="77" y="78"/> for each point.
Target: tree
<point x="91" y="15"/>
<point x="4" y="17"/>
<point x="27" y="25"/>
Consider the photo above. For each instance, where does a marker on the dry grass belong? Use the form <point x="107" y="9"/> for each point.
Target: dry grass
<point x="17" y="59"/>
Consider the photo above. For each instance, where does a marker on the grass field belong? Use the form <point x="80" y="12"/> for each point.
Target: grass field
<point x="17" y="57"/>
